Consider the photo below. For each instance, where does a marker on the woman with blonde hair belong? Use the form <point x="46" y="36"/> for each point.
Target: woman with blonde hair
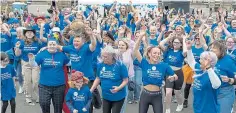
<point x="153" y="73"/>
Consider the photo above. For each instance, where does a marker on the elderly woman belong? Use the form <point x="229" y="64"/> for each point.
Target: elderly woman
<point x="113" y="76"/>
<point x="52" y="79"/>
<point x="227" y="71"/>
<point x="153" y="73"/>
<point x="206" y="81"/>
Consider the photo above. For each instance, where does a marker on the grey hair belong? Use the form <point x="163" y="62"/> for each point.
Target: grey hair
<point x="210" y="55"/>
<point x="111" y="50"/>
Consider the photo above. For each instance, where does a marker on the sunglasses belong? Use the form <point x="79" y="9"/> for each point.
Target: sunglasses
<point x="197" y="39"/>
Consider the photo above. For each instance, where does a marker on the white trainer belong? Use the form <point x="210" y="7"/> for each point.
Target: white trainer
<point x="167" y="110"/>
<point x="20" y="90"/>
<point x="179" y="108"/>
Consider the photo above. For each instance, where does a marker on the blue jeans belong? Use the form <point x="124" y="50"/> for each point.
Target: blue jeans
<point x="19" y="74"/>
<point x="135" y="95"/>
<point x="226" y="98"/>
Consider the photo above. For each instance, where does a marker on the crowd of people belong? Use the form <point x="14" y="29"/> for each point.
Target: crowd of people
<point x="65" y="56"/>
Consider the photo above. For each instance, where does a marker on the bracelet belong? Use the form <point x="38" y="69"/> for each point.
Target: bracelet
<point x="208" y="68"/>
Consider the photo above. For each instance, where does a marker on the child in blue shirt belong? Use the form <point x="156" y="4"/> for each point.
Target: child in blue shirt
<point x="78" y="97"/>
<point x="8" y="91"/>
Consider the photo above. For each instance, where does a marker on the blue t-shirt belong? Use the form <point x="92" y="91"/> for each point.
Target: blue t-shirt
<point x="79" y="98"/>
<point x="232" y="54"/>
<point x="232" y="31"/>
<point x="154" y="74"/>
<point x="197" y="52"/>
<point x="174" y="58"/>
<point x="81" y="60"/>
<point x="6" y="42"/>
<point x="51" y="72"/>
<point x="205" y="97"/>
<point x="45" y="30"/>
<point x="8" y="90"/>
<point x="225" y="67"/>
<point x="153" y="42"/>
<point x="13" y="33"/>
<point x="96" y="53"/>
<point x="123" y="21"/>
<point x="34" y="47"/>
<point x="112" y="75"/>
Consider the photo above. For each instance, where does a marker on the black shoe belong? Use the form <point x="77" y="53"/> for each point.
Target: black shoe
<point x="185" y="103"/>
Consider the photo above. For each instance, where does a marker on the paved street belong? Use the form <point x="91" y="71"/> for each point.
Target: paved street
<point x="22" y="107"/>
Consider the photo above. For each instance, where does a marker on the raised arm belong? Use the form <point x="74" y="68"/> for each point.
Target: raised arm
<point x="112" y="8"/>
<point x="42" y="38"/>
<point x="190" y="58"/>
<point x="92" y="45"/>
<point x="137" y="53"/>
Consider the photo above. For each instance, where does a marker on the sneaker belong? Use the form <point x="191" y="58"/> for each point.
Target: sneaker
<point x="20" y="90"/>
<point x="167" y="110"/>
<point x="27" y="96"/>
<point x="28" y="100"/>
<point x="179" y="108"/>
<point x="174" y="100"/>
<point x="37" y="100"/>
<point x="32" y="104"/>
<point x="185" y="103"/>
<point x="130" y="102"/>
<point x="136" y="101"/>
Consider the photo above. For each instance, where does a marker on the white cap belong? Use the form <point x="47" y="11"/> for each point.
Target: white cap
<point x="55" y="29"/>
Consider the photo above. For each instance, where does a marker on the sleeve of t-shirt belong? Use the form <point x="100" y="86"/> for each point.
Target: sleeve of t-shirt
<point x="232" y="70"/>
<point x="124" y="71"/>
<point x="143" y="63"/>
<point x="66" y="59"/>
<point x="66" y="49"/>
<point x="98" y="70"/>
<point x="117" y="15"/>
<point x="13" y="71"/>
<point x="68" y="100"/>
<point x="38" y="58"/>
<point x="169" y="71"/>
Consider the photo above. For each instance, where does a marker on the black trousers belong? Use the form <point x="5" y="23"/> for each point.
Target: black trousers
<point x="56" y="93"/>
<point x="186" y="90"/>
<point x="153" y="98"/>
<point x="112" y="106"/>
<point x="5" y="104"/>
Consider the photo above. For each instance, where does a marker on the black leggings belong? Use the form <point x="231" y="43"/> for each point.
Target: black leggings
<point x="153" y="98"/>
<point x="176" y="85"/>
<point x="114" y="106"/>
<point x="186" y="91"/>
<point x="5" y="104"/>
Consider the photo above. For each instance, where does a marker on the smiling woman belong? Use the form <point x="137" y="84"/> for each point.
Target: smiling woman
<point x="113" y="76"/>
